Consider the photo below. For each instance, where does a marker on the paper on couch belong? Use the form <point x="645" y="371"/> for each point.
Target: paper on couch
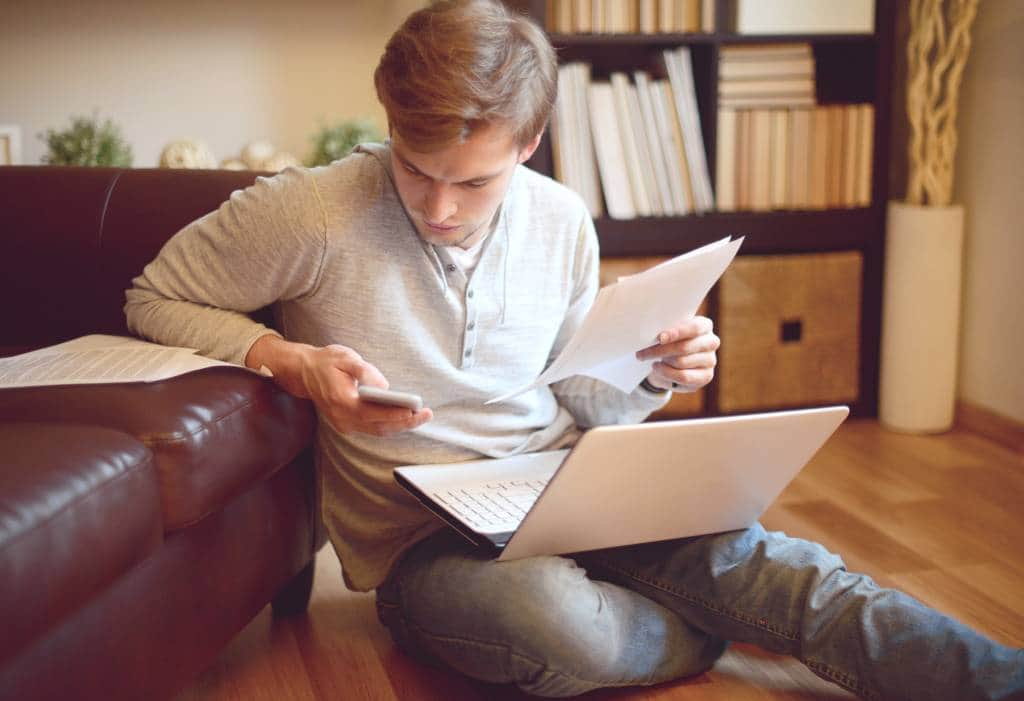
<point x="629" y="314"/>
<point x="99" y="359"/>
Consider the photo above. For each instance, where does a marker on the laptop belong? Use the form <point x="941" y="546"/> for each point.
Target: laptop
<point x="622" y="485"/>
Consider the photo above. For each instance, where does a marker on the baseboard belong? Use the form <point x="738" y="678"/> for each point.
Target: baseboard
<point x="996" y="427"/>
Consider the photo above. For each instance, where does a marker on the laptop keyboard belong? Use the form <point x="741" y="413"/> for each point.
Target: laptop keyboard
<point x="494" y="506"/>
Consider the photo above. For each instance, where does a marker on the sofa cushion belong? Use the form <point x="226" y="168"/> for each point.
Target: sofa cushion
<point x="79" y="506"/>
<point x="212" y="432"/>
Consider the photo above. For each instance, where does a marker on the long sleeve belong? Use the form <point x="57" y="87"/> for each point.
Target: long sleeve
<point x="590" y="401"/>
<point x="265" y="244"/>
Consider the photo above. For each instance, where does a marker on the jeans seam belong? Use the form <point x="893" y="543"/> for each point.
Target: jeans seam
<point x="515" y="653"/>
<point x="746" y="619"/>
<point x="840" y="678"/>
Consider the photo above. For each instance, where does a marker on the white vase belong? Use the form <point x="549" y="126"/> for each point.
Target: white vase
<point x="920" y="317"/>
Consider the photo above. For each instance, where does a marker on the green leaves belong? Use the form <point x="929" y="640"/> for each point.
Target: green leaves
<point x="333" y="142"/>
<point x="88" y="142"/>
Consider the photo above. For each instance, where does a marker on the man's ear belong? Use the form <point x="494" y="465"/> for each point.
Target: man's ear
<point x="526" y="151"/>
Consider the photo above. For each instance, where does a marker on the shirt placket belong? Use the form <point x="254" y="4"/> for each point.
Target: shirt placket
<point x="469" y="297"/>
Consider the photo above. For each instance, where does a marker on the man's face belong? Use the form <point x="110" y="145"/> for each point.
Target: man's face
<point x="452" y="194"/>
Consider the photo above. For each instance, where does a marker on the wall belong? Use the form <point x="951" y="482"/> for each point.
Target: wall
<point x="227" y="73"/>
<point x="990" y="184"/>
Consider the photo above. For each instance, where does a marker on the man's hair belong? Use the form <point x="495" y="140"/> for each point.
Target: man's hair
<point x="457" y="65"/>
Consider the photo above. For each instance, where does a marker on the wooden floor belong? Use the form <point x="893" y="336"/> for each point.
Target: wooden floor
<point x="939" y="517"/>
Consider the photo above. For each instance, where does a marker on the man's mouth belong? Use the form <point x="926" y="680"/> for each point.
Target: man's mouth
<point x="439" y="227"/>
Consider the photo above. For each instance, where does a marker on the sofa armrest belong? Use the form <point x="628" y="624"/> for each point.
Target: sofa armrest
<point x="212" y="432"/>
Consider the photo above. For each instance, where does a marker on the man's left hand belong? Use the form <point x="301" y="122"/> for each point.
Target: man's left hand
<point x="685" y="356"/>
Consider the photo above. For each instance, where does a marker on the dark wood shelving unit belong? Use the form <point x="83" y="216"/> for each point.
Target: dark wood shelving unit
<point x="849" y="68"/>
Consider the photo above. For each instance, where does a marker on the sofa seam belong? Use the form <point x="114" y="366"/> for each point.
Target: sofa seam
<point x="106" y="204"/>
<point x="180" y="436"/>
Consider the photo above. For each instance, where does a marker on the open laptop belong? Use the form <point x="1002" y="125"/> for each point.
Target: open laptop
<point x="621" y="485"/>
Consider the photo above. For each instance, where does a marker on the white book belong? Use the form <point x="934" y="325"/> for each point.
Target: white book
<point x="675" y="127"/>
<point x="656" y="146"/>
<point x="646" y="155"/>
<point x="561" y="133"/>
<point x="805" y="16"/>
<point x="630" y="145"/>
<point x="680" y="72"/>
<point x="675" y="160"/>
<point x="585" y="142"/>
<point x="725" y="161"/>
<point x="611" y="161"/>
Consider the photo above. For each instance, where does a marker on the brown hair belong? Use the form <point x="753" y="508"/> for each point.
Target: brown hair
<point x="459" y="64"/>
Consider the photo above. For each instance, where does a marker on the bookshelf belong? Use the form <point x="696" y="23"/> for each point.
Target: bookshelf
<point x="850" y="68"/>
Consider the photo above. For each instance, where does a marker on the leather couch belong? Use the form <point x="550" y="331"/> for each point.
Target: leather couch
<point x="141" y="525"/>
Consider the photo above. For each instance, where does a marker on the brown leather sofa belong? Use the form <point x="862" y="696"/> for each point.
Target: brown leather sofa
<point x="141" y="525"/>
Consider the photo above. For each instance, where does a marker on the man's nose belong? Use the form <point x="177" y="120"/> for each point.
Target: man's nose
<point x="439" y="202"/>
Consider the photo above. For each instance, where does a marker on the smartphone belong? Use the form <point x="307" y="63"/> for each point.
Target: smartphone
<point x="391" y="397"/>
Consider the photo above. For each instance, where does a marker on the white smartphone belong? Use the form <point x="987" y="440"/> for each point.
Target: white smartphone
<point x="391" y="397"/>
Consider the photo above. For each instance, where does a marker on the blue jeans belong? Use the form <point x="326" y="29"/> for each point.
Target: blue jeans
<point x="561" y="626"/>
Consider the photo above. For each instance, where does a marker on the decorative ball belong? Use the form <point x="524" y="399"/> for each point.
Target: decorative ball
<point x="254" y="154"/>
<point x="187" y="153"/>
<point x="280" y="161"/>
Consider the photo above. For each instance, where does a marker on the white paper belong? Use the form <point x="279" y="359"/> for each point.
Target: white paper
<point x="100" y="359"/>
<point x="628" y="315"/>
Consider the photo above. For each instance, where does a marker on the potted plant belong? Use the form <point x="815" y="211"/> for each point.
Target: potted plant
<point x="924" y="234"/>
<point x="332" y="142"/>
<point x="87" y="142"/>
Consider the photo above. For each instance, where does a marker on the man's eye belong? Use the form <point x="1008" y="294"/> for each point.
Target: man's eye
<point x="477" y="184"/>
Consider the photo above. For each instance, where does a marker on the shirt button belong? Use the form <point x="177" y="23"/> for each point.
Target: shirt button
<point x="470" y="294"/>
<point x="451" y="267"/>
<point x="471" y="326"/>
<point x="469" y="353"/>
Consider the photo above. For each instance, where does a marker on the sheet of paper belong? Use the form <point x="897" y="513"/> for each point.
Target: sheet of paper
<point x="629" y="314"/>
<point x="100" y="359"/>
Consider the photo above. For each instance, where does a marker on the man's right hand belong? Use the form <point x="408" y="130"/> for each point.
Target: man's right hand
<point x="329" y="377"/>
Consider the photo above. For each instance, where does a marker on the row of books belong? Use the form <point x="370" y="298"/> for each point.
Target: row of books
<point x="798" y="158"/>
<point x="636" y="146"/>
<point x="774" y="75"/>
<point x="630" y="16"/>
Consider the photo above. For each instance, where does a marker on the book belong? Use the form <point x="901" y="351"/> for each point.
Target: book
<point x="767" y="87"/>
<point x="865" y="153"/>
<point x="848" y="177"/>
<point x="680" y="73"/>
<point x="656" y="146"/>
<point x="818" y="162"/>
<point x="780" y="159"/>
<point x="803" y="16"/>
<point x="611" y="160"/>
<point x="800" y="138"/>
<point x="835" y="157"/>
<point x="636" y="164"/>
<point x="760" y="161"/>
<point x="725" y="161"/>
<point x="681" y="169"/>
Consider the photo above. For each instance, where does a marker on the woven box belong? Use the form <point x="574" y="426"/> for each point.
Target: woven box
<point x="790" y="329"/>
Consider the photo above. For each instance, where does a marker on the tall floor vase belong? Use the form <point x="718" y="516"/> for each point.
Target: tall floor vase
<point x="920" y="317"/>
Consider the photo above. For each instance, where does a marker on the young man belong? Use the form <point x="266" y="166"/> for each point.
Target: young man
<point x="439" y="265"/>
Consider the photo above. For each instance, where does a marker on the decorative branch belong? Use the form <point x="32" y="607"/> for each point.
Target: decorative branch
<point x="937" y="49"/>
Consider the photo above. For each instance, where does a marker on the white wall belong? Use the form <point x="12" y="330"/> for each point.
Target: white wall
<point x="990" y="184"/>
<point x="225" y="72"/>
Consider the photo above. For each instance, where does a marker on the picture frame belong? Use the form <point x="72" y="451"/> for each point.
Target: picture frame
<point x="10" y="145"/>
